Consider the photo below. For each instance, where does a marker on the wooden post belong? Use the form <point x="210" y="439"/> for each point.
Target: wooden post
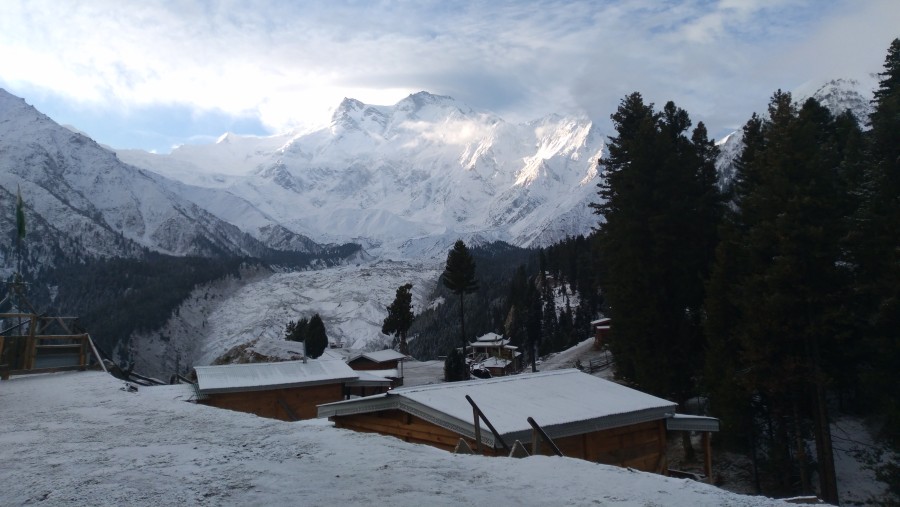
<point x="546" y="438"/>
<point x="31" y="355"/>
<point x="707" y="457"/>
<point x="477" y="429"/>
<point x="535" y="442"/>
<point x="97" y="354"/>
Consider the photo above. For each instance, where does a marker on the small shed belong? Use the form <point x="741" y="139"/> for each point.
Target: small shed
<point x="385" y="363"/>
<point x="601" y="329"/>
<point x="287" y="390"/>
<point x="587" y="417"/>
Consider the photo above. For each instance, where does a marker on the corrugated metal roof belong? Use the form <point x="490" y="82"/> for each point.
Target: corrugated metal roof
<point x="563" y="402"/>
<point x="262" y="376"/>
<point x="369" y="378"/>
<point x="383" y="356"/>
<point x="686" y="422"/>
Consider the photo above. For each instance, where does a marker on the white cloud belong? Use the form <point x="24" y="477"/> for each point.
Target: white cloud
<point x="289" y="63"/>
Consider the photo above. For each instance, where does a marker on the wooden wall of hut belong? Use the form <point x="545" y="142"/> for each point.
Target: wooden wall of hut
<point x="640" y="446"/>
<point x="286" y="404"/>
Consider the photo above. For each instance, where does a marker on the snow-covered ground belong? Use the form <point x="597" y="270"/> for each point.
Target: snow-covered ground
<point x="77" y="439"/>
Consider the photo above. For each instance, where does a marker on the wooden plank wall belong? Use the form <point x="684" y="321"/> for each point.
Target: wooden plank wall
<point x="641" y="446"/>
<point x="302" y="401"/>
<point x="405" y="426"/>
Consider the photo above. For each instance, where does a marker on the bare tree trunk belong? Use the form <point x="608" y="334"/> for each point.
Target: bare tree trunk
<point x="462" y="327"/>
<point x="824" y="451"/>
<point x="801" y="449"/>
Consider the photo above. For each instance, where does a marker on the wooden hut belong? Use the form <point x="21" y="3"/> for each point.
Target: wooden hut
<point x="601" y="329"/>
<point x="287" y="390"/>
<point x="585" y="416"/>
<point x="384" y="363"/>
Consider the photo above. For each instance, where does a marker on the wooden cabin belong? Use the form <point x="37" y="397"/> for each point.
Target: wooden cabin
<point x="287" y="390"/>
<point x="585" y="416"/>
<point x="494" y="353"/>
<point x="384" y="363"/>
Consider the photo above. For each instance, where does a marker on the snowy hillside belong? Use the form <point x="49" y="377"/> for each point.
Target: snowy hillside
<point x="77" y="439"/>
<point x="351" y="300"/>
<point x="391" y="177"/>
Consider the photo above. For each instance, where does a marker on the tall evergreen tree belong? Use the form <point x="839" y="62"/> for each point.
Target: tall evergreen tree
<point x="459" y="278"/>
<point x="776" y="297"/>
<point x="400" y="316"/>
<point x="455" y="368"/>
<point x="316" y="337"/>
<point x="660" y="207"/>
<point x="875" y="246"/>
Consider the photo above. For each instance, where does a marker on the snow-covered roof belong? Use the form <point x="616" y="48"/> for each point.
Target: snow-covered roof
<point x="605" y="320"/>
<point x="389" y="373"/>
<point x="687" y="422"/>
<point x="490" y="340"/>
<point x="489" y="337"/>
<point x="563" y="402"/>
<point x="370" y="378"/>
<point x="379" y="356"/>
<point x="262" y="376"/>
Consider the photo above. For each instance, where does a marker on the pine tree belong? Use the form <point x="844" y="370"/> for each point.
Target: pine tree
<point x="459" y="277"/>
<point x="316" y="337"/>
<point x="400" y="316"/>
<point x="875" y="244"/>
<point x="455" y="366"/>
<point x="776" y="296"/>
<point x="660" y="207"/>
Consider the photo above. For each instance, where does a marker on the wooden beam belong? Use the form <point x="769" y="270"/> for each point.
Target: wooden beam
<point x="96" y="354"/>
<point x="544" y="436"/>
<point x="477" y="429"/>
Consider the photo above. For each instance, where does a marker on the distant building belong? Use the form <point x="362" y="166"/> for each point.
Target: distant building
<point x="288" y="390"/>
<point x="494" y="353"/>
<point x="385" y="363"/>
<point x="602" y="328"/>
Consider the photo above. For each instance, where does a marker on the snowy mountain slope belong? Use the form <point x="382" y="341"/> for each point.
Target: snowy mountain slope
<point x="840" y="95"/>
<point x="426" y="167"/>
<point x="103" y="204"/>
<point x="351" y="300"/>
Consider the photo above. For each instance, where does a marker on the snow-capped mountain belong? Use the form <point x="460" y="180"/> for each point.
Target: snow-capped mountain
<point x="85" y="201"/>
<point x="838" y="95"/>
<point x="397" y="178"/>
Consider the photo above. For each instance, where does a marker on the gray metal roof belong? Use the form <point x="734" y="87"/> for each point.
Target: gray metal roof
<point x="563" y="402"/>
<point x="379" y="356"/>
<point x="264" y="376"/>
<point x="684" y="422"/>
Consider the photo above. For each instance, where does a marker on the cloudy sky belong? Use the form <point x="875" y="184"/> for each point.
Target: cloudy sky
<point x="156" y="74"/>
